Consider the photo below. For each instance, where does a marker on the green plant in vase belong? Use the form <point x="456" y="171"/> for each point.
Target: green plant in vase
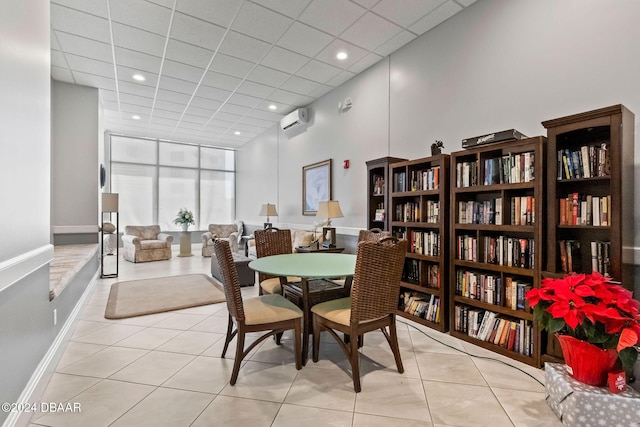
<point x="184" y="218"/>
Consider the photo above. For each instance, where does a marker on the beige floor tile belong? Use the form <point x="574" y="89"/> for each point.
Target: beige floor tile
<point x="149" y="338"/>
<point x="392" y="395"/>
<point x="377" y="339"/>
<point x="84" y="327"/>
<point x="451" y="368"/>
<point x="63" y="388"/>
<point x="430" y="341"/>
<point x="153" y="368"/>
<point x="366" y="420"/>
<point x="203" y="374"/>
<point x="92" y="310"/>
<point x="109" y="335"/>
<point x="166" y="407"/>
<point x="148" y="320"/>
<point x="464" y="405"/>
<point x="76" y="351"/>
<point x="330" y="356"/>
<point x="295" y="416"/>
<point x="207" y="310"/>
<point x="527" y="408"/>
<point x="503" y="375"/>
<point x="270" y="352"/>
<point x="190" y="342"/>
<point x="323" y="388"/>
<point x="215" y="324"/>
<point x="104" y="363"/>
<point x="100" y="405"/>
<point x="216" y="349"/>
<point x="234" y="411"/>
<point x="180" y="321"/>
<point x="262" y="381"/>
<point x="381" y="359"/>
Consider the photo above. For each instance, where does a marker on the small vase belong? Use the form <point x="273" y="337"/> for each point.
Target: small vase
<point x="185" y="227"/>
<point x="587" y="363"/>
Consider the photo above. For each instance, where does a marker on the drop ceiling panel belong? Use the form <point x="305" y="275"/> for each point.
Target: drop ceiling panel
<point x="232" y="66"/>
<point x="209" y="104"/>
<point x="341" y="78"/>
<point x="235" y="109"/>
<point x="135" y="88"/>
<point x="200" y="112"/>
<point x="261" y="23"/>
<point x="54" y="41"/>
<point x="395" y="43"/>
<point x="365" y="63"/>
<point x="304" y="40"/>
<point x="138" y="40"/>
<point x="84" y="47"/>
<point x="176" y="97"/>
<point x="284" y="60"/>
<point x="136" y="100"/>
<point x="244" y="100"/>
<point x="141" y="14"/>
<point x="188" y="54"/>
<point x="267" y="117"/>
<point x="323" y="89"/>
<point x="173" y="115"/>
<point x="370" y="32"/>
<point x="188" y="125"/>
<point x="98" y="8"/>
<point x="244" y="47"/>
<point x="90" y="66"/>
<point x="228" y="117"/>
<point x="137" y="60"/>
<point x="191" y="30"/>
<point x="169" y="106"/>
<point x="255" y="89"/>
<point x="248" y="128"/>
<point x="268" y="76"/>
<point x="299" y="85"/>
<point x="290" y="8"/>
<point x="331" y="16"/>
<point x="366" y="3"/>
<point x="221" y="81"/>
<point x="409" y="13"/>
<point x="57" y="59"/>
<point x="76" y="22"/>
<point x="135" y="109"/>
<point x="182" y="71"/>
<point x="329" y="54"/>
<point x="219" y="12"/>
<point x="212" y="93"/>
<point x="125" y="75"/>
<point x="318" y="71"/>
<point x="177" y="85"/>
<point x="291" y="98"/>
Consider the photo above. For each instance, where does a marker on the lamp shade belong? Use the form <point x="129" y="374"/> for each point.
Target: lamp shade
<point x="268" y="210"/>
<point x="109" y="202"/>
<point x="329" y="209"/>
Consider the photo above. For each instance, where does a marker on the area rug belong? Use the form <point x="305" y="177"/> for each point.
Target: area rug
<point x="148" y="296"/>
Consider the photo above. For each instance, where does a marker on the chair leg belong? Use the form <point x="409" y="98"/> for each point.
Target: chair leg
<point x="278" y="337"/>
<point x="229" y="336"/>
<point x="394" y="343"/>
<point x="316" y="338"/>
<point x="238" y="358"/>
<point x="354" y="359"/>
<point x="297" y="339"/>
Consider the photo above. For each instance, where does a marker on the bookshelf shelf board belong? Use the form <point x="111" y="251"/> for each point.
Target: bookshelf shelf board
<point x="418" y="288"/>
<point x="592" y="179"/>
<point x="585" y="227"/>
<point x="520" y="314"/>
<point x="412" y="255"/>
<point x="495" y="267"/>
<point x="419" y="319"/>
<point x="415" y="224"/>
<point x="491" y="227"/>
<point x="494" y="188"/>
<point x="493" y="347"/>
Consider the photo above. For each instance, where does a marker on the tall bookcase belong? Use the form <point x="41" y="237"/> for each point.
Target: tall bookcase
<point x="496" y="234"/>
<point x="378" y="192"/>
<point x="419" y="213"/>
<point x="589" y="196"/>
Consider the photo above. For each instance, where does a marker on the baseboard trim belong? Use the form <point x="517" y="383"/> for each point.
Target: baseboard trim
<point x="74" y="229"/>
<point x="631" y="255"/>
<point x="50" y="356"/>
<point x="16" y="268"/>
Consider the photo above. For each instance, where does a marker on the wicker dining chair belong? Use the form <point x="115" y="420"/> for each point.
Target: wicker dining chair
<point x="372" y="304"/>
<point x="271" y="313"/>
<point x="272" y="241"/>
<point x="372" y="235"/>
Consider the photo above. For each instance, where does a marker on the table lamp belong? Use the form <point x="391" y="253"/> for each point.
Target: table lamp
<point x="268" y="210"/>
<point x="329" y="209"/>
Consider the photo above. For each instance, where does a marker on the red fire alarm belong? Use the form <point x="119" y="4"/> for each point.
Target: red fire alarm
<point x="346" y="164"/>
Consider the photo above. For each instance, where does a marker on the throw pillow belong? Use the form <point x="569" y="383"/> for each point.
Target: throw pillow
<point x="108" y="227"/>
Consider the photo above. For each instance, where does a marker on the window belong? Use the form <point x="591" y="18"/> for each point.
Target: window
<point x="157" y="178"/>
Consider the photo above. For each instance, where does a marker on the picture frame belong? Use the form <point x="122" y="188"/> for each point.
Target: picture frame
<point x="316" y="186"/>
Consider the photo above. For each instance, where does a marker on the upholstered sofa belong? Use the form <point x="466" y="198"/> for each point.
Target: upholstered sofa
<point x="298" y="238"/>
<point x="229" y="232"/>
<point x="143" y="243"/>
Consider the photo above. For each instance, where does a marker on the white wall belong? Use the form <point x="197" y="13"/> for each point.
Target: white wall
<point x="75" y="145"/>
<point x="499" y="64"/>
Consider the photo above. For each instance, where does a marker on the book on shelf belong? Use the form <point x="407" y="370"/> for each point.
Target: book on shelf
<point x="587" y="161"/>
<point x="378" y="185"/>
<point x="379" y="215"/>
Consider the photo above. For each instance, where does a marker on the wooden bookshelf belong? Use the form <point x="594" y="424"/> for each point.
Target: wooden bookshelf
<point x="377" y="191"/>
<point x="601" y="169"/>
<point x="419" y="213"/>
<point x="496" y="214"/>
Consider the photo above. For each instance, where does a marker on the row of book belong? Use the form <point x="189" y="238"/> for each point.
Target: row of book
<point x="412" y="273"/>
<point x="587" y="161"/>
<point x="489" y="288"/>
<point x="411" y="212"/>
<point x="509" y="251"/>
<point x="421" y="305"/>
<point x="485" y="325"/>
<point x="486" y="212"/>
<point x="523" y="210"/>
<point x="424" y="242"/>
<point x="428" y="179"/>
<point x="584" y="209"/>
<point x="571" y="256"/>
<point x="509" y="169"/>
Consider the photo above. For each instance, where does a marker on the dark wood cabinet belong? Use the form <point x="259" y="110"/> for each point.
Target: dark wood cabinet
<point x="378" y="192"/>
<point x="589" y="196"/>
<point x="496" y="245"/>
<point x="419" y="212"/>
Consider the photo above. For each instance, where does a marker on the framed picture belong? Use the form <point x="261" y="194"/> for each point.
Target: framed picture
<point x="316" y="186"/>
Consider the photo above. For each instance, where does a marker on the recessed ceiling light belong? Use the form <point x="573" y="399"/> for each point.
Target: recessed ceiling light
<point x="135" y="117"/>
<point x="272" y="107"/>
<point x="237" y="132"/>
<point x="139" y="77"/>
<point x="342" y="55"/>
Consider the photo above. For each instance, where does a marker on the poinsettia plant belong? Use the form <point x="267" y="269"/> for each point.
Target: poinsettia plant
<point x="589" y="308"/>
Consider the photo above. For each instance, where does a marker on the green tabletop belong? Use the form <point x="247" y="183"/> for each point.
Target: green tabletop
<point x="316" y="266"/>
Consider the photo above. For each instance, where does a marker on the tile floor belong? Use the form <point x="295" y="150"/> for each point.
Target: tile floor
<point x="165" y="370"/>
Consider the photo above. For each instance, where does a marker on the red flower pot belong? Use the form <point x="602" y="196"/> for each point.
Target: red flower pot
<point x="588" y="363"/>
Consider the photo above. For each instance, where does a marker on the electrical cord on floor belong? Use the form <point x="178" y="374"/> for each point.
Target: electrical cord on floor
<point x="469" y="354"/>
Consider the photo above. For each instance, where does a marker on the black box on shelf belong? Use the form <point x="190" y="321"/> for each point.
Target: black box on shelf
<point x="505" y="135"/>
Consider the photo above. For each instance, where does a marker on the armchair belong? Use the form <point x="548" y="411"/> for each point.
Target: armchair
<point x="143" y="243"/>
<point x="228" y="232"/>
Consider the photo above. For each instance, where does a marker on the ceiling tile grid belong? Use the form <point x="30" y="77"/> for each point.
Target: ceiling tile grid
<point x="221" y="72"/>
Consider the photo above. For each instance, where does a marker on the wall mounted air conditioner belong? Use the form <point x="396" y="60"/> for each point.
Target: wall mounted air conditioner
<point x="294" y="119"/>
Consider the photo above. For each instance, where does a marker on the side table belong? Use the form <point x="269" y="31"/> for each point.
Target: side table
<point x="185" y="244"/>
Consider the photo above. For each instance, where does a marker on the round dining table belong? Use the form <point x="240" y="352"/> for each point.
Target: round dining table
<point x="307" y="266"/>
